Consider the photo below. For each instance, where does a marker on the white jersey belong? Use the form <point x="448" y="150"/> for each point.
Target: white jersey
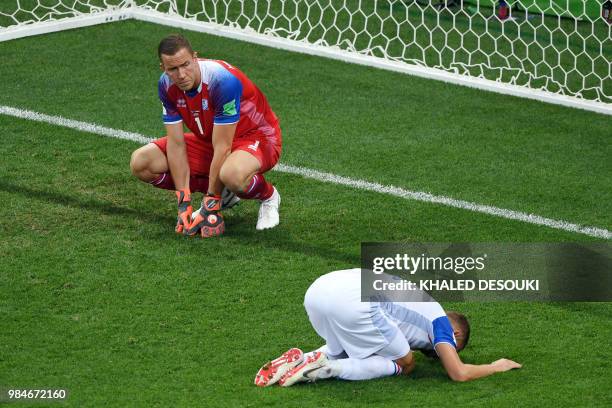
<point x="360" y="329"/>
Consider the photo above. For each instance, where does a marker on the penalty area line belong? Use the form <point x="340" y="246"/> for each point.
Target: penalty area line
<point x="331" y="178"/>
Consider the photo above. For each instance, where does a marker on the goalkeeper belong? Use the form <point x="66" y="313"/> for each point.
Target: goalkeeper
<point x="235" y="138"/>
<point x="367" y="340"/>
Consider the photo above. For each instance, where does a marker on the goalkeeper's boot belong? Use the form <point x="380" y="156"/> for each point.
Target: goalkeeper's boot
<point x="268" y="212"/>
<point x="315" y="367"/>
<point x="273" y="370"/>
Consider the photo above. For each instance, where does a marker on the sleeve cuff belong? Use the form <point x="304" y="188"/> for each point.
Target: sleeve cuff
<point x="447" y="342"/>
<point x="168" y="120"/>
<point x="227" y="120"/>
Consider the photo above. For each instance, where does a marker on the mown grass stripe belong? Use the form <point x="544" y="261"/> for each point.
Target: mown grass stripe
<point x="332" y="178"/>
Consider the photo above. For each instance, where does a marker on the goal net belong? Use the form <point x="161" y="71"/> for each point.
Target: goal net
<point x="554" y="50"/>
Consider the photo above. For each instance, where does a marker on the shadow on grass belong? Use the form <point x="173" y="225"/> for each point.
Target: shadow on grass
<point x="283" y="239"/>
<point x="241" y="226"/>
<point x="82" y="203"/>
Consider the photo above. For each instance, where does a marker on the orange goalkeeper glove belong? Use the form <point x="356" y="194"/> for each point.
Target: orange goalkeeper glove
<point x="208" y="219"/>
<point x="184" y="211"/>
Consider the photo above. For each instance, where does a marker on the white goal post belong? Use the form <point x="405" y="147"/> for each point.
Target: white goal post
<point x="557" y="51"/>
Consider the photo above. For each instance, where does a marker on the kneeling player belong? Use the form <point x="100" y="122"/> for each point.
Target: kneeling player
<point x="235" y="139"/>
<point x="367" y="340"/>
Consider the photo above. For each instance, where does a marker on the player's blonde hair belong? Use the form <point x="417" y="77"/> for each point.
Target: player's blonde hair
<point x="461" y="323"/>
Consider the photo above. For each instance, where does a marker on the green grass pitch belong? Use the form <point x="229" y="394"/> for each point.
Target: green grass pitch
<point x="98" y="295"/>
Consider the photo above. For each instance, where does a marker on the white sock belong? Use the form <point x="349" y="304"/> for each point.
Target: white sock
<point x="325" y="350"/>
<point x="356" y="369"/>
<point x="322" y="349"/>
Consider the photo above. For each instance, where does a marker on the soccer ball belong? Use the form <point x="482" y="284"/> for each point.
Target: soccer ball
<point x="228" y="200"/>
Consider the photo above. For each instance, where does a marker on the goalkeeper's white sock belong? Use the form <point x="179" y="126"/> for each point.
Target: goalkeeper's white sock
<point x="356" y="369"/>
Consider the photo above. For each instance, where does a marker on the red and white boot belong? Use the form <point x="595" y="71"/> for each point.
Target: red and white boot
<point x="274" y="370"/>
<point x="307" y="371"/>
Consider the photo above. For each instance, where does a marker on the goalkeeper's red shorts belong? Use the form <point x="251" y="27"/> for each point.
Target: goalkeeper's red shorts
<point x="200" y="153"/>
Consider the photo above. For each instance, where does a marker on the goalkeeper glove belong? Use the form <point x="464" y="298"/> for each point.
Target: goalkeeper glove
<point x="184" y="211"/>
<point x="208" y="219"/>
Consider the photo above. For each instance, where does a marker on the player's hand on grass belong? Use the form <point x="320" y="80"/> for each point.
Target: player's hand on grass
<point x="208" y="220"/>
<point x="184" y="211"/>
<point x="503" y="364"/>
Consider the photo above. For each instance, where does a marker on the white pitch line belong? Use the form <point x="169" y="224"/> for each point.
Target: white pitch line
<point x="331" y="178"/>
<point x="73" y="124"/>
<point x="451" y="202"/>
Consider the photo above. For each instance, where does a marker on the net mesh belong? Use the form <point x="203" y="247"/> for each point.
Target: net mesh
<point x="22" y="12"/>
<point x="561" y="46"/>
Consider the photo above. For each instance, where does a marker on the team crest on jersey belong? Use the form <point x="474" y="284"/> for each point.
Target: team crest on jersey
<point x="204" y="104"/>
<point x="180" y="103"/>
